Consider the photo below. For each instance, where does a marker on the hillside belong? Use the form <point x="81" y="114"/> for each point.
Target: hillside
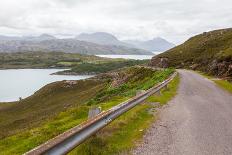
<point x="45" y="103"/>
<point x="49" y="43"/>
<point x="155" y="45"/>
<point x="23" y="60"/>
<point x="62" y="105"/>
<point x="210" y="52"/>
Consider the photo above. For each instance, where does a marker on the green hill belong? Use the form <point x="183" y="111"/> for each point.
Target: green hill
<point x="62" y="105"/>
<point x="210" y="52"/>
<point x="77" y="63"/>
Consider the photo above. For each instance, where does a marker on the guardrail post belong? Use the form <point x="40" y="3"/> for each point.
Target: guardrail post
<point x="94" y="112"/>
<point x="158" y="93"/>
<point x="140" y="92"/>
<point x="165" y="87"/>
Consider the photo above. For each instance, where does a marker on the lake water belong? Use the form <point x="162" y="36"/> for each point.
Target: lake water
<point x="135" y="57"/>
<point x="15" y="83"/>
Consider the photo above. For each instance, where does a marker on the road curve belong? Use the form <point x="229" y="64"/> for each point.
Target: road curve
<point x="198" y="121"/>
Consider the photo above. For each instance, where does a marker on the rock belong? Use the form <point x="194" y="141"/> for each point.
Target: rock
<point x="229" y="71"/>
<point x="160" y="62"/>
<point x="70" y="83"/>
<point x="220" y="68"/>
<point x="118" y="78"/>
<point x="213" y="66"/>
<point x="194" y="66"/>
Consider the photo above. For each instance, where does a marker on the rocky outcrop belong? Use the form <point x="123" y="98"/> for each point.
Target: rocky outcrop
<point x="159" y="62"/>
<point x="217" y="67"/>
<point x="118" y="78"/>
<point x="221" y="68"/>
<point x="194" y="66"/>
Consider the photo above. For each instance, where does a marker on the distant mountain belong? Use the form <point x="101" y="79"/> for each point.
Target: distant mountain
<point x="29" y="38"/>
<point x="155" y="45"/>
<point x="47" y="43"/>
<point x="97" y="43"/>
<point x="39" y="38"/>
<point x="2" y="37"/>
<point x="102" y="38"/>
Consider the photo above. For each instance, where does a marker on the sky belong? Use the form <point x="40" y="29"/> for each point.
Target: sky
<point x="174" y="20"/>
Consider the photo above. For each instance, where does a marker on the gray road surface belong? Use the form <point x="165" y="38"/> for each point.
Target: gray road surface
<point x="198" y="121"/>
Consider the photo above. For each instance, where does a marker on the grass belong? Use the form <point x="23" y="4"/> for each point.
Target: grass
<point x="95" y="68"/>
<point x="45" y="104"/>
<point x="166" y="94"/>
<point x="135" y="79"/>
<point x="224" y="84"/>
<point x="60" y="106"/>
<point x="122" y="134"/>
<point x="24" y="141"/>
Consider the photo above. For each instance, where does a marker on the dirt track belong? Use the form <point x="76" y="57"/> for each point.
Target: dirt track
<point x="198" y="121"/>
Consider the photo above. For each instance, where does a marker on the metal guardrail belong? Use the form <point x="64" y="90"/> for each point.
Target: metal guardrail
<point x="67" y="141"/>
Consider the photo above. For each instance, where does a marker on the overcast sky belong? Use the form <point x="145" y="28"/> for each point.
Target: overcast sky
<point x="174" y="20"/>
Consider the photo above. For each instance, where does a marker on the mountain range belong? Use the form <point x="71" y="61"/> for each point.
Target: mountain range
<point x="102" y="38"/>
<point x="28" y="38"/>
<point x="95" y="43"/>
<point x="155" y="45"/>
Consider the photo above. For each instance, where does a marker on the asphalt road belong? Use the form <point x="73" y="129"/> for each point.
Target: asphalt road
<point x="198" y="121"/>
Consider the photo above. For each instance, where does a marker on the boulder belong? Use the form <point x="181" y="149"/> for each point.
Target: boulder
<point x="194" y="66"/>
<point x="160" y="62"/>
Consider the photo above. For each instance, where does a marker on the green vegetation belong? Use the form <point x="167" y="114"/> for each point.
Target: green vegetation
<point x="134" y="79"/>
<point x="62" y="105"/>
<point x="120" y="135"/>
<point x="123" y="133"/>
<point x="210" y="52"/>
<point x="45" y="104"/>
<point x="79" y="64"/>
<point x="28" y="139"/>
<point x="224" y="84"/>
<point x="92" y="68"/>
<point x="220" y="82"/>
<point x="44" y="60"/>
<point x="167" y="94"/>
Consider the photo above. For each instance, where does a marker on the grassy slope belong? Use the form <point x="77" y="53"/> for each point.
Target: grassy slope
<point x="224" y="84"/>
<point x="220" y="82"/>
<point x="167" y="94"/>
<point x="90" y="68"/>
<point x="57" y="118"/>
<point x="44" y="59"/>
<point x="137" y="79"/>
<point x="202" y="50"/>
<point x="123" y="133"/>
<point x="47" y="102"/>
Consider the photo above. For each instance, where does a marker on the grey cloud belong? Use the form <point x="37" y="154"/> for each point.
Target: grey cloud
<point x="176" y="20"/>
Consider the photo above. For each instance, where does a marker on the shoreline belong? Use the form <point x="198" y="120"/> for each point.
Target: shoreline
<point x="15" y="97"/>
<point x="62" y="72"/>
<point x="71" y="73"/>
